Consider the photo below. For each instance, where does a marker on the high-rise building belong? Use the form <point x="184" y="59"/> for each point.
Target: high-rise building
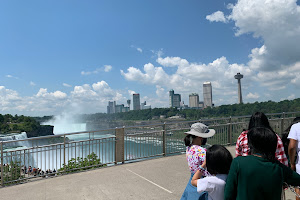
<point x="111" y="108"/>
<point x="201" y="104"/>
<point x="136" y="101"/>
<point x="194" y="100"/>
<point x="144" y="106"/>
<point x="207" y="94"/>
<point x="174" y="99"/>
<point x="119" y="108"/>
<point x="128" y="103"/>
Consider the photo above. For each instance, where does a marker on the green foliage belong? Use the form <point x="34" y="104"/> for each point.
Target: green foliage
<point x="79" y="164"/>
<point x="194" y="114"/>
<point x="12" y="173"/>
<point x="9" y="123"/>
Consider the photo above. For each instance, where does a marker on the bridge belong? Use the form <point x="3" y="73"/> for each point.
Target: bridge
<point x="160" y="178"/>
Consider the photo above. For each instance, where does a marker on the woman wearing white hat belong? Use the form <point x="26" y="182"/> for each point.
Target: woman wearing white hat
<point x="195" y="155"/>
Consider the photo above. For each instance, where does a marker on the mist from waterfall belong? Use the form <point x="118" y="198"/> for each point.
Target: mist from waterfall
<point x="66" y="123"/>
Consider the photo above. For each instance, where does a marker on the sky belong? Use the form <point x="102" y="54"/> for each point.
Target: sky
<point x="73" y="56"/>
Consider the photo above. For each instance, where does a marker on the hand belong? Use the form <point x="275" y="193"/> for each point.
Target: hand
<point x="293" y="167"/>
<point x="204" y="164"/>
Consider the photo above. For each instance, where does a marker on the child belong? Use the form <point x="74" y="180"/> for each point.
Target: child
<point x="218" y="161"/>
<point x="259" y="176"/>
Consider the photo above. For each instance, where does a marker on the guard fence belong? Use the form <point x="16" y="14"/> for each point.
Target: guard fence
<point x="47" y="156"/>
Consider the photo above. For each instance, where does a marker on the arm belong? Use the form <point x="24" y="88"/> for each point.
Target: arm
<point x="292" y="153"/>
<point x="280" y="153"/>
<point x="291" y="177"/>
<point x="198" y="175"/>
<point x="238" y="146"/>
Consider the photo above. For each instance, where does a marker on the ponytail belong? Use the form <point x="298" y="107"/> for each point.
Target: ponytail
<point x="189" y="139"/>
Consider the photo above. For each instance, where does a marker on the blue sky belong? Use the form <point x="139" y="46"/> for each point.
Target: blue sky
<point x="75" y="56"/>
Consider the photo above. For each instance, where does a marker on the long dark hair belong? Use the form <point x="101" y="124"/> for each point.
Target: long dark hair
<point x="188" y="140"/>
<point x="218" y="159"/>
<point x="262" y="141"/>
<point x="259" y="119"/>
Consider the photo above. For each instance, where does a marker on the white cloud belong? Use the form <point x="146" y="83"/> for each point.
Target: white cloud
<point x="160" y="92"/>
<point x="252" y="96"/>
<point x="67" y="85"/>
<point x="131" y="92"/>
<point x="84" y="73"/>
<point x="84" y="99"/>
<point x="291" y="97"/>
<point x="107" y="68"/>
<point x="189" y="77"/>
<point x="32" y="83"/>
<point x="158" y="53"/>
<point x="137" y="48"/>
<point x="172" y="61"/>
<point x="51" y="95"/>
<point x="10" y="76"/>
<point x="217" y="17"/>
<point x="276" y="23"/>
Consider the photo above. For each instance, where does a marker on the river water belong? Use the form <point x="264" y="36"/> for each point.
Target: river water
<point x="41" y="154"/>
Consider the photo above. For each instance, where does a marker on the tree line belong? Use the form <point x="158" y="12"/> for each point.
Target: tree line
<point x="10" y="123"/>
<point x="194" y="114"/>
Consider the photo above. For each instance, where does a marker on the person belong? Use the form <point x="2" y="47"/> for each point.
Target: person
<point x="259" y="119"/>
<point x="284" y="137"/>
<point x="259" y="176"/>
<point x="294" y="150"/>
<point x="218" y="161"/>
<point x="195" y="155"/>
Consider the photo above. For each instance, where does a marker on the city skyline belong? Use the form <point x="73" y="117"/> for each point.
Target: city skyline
<point x="75" y="56"/>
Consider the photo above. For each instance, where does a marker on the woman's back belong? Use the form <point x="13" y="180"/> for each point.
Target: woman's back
<point x="257" y="178"/>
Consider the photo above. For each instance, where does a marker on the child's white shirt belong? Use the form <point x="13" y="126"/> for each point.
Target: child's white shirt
<point x="214" y="185"/>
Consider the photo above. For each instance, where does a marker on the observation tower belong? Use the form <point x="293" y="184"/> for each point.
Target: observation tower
<point x="239" y="76"/>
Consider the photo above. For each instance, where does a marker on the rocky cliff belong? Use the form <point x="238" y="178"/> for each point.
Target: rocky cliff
<point x="42" y="130"/>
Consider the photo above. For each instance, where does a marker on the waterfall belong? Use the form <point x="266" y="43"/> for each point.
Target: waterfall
<point x="15" y="136"/>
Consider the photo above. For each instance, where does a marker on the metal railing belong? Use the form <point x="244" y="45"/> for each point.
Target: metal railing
<point x="22" y="160"/>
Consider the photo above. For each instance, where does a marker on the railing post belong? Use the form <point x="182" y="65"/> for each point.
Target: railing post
<point x="229" y="139"/>
<point x="64" y="154"/>
<point x="164" y="139"/>
<point x="119" y="145"/>
<point x="282" y="123"/>
<point x="2" y="168"/>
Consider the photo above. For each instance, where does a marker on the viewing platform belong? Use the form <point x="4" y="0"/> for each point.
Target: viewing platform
<point x="161" y="178"/>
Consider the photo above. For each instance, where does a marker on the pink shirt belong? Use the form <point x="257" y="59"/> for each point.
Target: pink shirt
<point x="195" y="156"/>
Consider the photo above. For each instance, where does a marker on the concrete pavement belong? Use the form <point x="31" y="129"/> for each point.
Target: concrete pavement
<point x="162" y="178"/>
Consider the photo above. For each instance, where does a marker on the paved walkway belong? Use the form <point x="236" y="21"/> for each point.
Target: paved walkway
<point x="162" y="178"/>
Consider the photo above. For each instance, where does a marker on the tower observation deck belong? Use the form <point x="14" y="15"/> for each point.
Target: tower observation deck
<point x="239" y="76"/>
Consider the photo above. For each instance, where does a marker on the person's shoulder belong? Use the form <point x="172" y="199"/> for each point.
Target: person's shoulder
<point x="243" y="135"/>
<point x="296" y="126"/>
<point x="199" y="148"/>
<point x="242" y="159"/>
<point x="213" y="180"/>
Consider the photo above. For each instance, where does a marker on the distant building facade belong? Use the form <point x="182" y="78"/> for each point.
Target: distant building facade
<point x="128" y="103"/>
<point x="201" y="104"/>
<point x="136" y="101"/>
<point x="174" y="99"/>
<point x="111" y="108"/>
<point x="194" y="100"/>
<point x="207" y="94"/>
<point x="144" y="106"/>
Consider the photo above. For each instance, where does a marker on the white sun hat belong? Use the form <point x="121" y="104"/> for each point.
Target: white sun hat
<point x="201" y="130"/>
